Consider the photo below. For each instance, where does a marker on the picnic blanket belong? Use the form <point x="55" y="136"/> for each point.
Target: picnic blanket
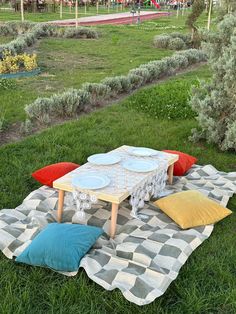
<point x="144" y="257"/>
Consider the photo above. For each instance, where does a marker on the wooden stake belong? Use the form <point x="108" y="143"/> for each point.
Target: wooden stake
<point x="209" y="16"/>
<point x="22" y="10"/>
<point x="61" y="9"/>
<point x="76" y="13"/>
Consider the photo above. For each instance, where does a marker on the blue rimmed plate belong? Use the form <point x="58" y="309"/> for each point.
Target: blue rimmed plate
<point x="139" y="165"/>
<point x="90" y="181"/>
<point x="104" y="159"/>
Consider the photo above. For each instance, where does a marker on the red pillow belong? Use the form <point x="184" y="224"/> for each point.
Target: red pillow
<point x="48" y="174"/>
<point x="184" y="163"/>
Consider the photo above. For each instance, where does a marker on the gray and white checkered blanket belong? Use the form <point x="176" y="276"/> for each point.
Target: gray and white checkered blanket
<point x="144" y="257"/>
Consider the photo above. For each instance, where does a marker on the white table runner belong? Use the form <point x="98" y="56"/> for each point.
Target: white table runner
<point x="141" y="186"/>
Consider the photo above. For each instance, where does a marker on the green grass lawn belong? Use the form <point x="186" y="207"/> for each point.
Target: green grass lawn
<point x="68" y="63"/>
<point x="10" y="15"/>
<point x="206" y="283"/>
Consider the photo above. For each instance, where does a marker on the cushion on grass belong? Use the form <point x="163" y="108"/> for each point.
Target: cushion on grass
<point x="48" y="174"/>
<point x="184" y="163"/>
<point x="60" y="246"/>
<point x="191" y="209"/>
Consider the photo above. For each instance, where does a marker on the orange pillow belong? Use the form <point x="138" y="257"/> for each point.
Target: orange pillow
<point x="184" y="163"/>
<point x="48" y="174"/>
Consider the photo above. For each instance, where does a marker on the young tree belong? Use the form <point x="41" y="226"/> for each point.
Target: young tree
<point x="215" y="101"/>
<point x="229" y="5"/>
<point x="197" y="9"/>
<point x="226" y="7"/>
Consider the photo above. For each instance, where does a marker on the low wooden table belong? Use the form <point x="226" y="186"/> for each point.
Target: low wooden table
<point x="118" y="191"/>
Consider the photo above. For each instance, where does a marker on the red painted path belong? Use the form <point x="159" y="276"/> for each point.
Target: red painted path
<point x="117" y="18"/>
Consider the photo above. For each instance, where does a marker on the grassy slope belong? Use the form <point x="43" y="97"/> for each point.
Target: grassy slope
<point x="206" y="283"/>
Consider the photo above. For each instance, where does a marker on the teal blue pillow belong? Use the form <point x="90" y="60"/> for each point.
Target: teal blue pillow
<point x="60" y="246"/>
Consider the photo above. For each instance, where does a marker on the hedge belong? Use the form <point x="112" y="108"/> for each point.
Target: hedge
<point x="72" y="102"/>
<point x="173" y="41"/>
<point x="28" y="33"/>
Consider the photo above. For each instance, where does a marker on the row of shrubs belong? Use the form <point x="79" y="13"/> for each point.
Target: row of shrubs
<point x="173" y="41"/>
<point x="15" y="27"/>
<point x="28" y="33"/>
<point x="72" y="102"/>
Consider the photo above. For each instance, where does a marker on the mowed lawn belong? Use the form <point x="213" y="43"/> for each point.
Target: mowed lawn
<point x="206" y="283"/>
<point x="11" y="15"/>
<point x="68" y="63"/>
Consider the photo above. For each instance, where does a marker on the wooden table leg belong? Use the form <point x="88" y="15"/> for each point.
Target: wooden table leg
<point x="114" y="212"/>
<point x="170" y="173"/>
<point x="61" y="195"/>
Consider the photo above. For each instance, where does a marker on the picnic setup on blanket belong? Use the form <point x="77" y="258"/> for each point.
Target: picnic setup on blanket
<point x="130" y="218"/>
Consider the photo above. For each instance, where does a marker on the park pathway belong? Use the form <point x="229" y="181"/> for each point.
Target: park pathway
<point x="116" y="18"/>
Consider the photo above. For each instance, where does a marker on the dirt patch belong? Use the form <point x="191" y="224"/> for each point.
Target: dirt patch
<point x="12" y="133"/>
<point x="55" y="60"/>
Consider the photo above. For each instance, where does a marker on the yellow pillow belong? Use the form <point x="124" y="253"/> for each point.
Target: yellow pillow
<point x="191" y="209"/>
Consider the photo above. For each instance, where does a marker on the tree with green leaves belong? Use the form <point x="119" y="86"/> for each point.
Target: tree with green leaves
<point x="215" y="101"/>
<point x="229" y="5"/>
<point x="197" y="9"/>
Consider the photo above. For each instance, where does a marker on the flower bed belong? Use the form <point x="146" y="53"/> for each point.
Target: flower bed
<point x="14" y="66"/>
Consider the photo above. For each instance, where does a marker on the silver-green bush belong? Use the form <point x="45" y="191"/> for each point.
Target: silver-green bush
<point x="215" y="101"/>
<point x="98" y="92"/>
<point x="114" y="84"/>
<point x="176" y="44"/>
<point x="28" y="33"/>
<point x="81" y="32"/>
<point x="161" y="41"/>
<point x="173" y="41"/>
<point x="70" y="103"/>
<point x="135" y="80"/>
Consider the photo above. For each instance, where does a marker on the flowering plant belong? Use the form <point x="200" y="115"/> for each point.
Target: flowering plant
<point x="14" y="63"/>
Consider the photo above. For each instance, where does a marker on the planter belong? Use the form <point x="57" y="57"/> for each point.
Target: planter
<point x="19" y="74"/>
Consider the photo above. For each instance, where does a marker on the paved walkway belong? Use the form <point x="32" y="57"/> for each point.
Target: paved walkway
<point x="116" y="18"/>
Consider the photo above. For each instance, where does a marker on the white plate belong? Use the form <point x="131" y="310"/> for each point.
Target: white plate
<point x="90" y="181"/>
<point x="140" y="165"/>
<point x="143" y="151"/>
<point x="104" y="159"/>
